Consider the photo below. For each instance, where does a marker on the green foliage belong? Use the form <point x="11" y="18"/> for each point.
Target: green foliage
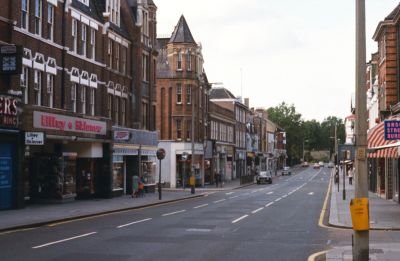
<point x="316" y="135"/>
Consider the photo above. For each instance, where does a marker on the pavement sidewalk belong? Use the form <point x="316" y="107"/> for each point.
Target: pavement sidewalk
<point x="41" y="214"/>
<point x="384" y="215"/>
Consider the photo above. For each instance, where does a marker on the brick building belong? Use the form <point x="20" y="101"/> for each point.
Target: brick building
<point x="183" y="99"/>
<point x="74" y="93"/>
<point x="221" y="131"/>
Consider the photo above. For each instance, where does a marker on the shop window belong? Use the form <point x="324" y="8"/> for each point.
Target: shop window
<point x="118" y="173"/>
<point x="149" y="170"/>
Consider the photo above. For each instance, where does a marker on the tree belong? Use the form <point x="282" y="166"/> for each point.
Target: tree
<point x="287" y="118"/>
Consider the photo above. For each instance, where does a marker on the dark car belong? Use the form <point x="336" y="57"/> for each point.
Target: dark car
<point x="264" y="177"/>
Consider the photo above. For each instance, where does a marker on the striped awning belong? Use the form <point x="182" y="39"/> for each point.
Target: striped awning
<point x="379" y="147"/>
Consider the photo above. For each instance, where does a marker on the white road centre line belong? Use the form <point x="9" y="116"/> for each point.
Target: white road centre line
<point x="201" y="206"/>
<point x="284" y="196"/>
<point x="233" y="197"/>
<point x="269" y="193"/>
<point x="173" y="213"/>
<point x="64" y="240"/>
<point x="255" y="211"/>
<point x="135" y="222"/>
<point x="276" y="200"/>
<point x="219" y="200"/>
<point x="238" y="219"/>
<point x="269" y="204"/>
<point x="311" y="193"/>
<point x="229" y="193"/>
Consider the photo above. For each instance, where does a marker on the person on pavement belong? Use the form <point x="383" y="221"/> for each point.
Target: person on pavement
<point x="350" y="175"/>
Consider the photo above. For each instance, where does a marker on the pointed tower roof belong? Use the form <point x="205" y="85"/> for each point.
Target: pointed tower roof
<point x="182" y="33"/>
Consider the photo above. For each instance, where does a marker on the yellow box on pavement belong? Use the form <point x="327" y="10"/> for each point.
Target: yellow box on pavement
<point x="191" y="181"/>
<point x="359" y="209"/>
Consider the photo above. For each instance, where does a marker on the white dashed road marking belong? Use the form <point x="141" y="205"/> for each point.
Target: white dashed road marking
<point x="135" y="222"/>
<point x="64" y="240"/>
<point x="219" y="200"/>
<point x="173" y="213"/>
<point x="201" y="206"/>
<point x="238" y="219"/>
<point x="255" y="211"/>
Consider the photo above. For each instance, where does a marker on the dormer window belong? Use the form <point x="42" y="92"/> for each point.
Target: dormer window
<point x="113" y="7"/>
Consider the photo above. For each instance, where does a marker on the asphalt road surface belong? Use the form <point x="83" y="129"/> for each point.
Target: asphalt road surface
<point x="260" y="222"/>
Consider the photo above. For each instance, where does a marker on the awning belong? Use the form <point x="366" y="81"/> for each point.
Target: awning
<point x="378" y="147"/>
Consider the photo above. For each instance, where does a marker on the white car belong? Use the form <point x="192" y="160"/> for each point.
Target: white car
<point x="286" y="171"/>
<point x="264" y="177"/>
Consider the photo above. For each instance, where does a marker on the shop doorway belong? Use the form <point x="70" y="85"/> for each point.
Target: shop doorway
<point x="85" y="177"/>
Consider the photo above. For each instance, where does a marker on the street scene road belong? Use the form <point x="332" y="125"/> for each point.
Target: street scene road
<point x="259" y="222"/>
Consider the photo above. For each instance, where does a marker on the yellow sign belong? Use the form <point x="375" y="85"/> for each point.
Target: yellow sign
<point x="361" y="154"/>
<point x="191" y="181"/>
<point x="359" y="209"/>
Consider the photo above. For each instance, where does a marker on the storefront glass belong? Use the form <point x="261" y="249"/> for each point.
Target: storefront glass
<point x="118" y="176"/>
<point x="148" y="166"/>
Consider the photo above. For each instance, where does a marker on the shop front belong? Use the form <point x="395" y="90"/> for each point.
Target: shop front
<point x="10" y="179"/>
<point x="66" y="157"/>
<point x="134" y="154"/>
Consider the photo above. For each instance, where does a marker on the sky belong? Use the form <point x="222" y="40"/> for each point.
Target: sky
<point x="301" y="52"/>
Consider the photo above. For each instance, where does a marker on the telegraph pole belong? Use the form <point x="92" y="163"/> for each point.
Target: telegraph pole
<point x="361" y="237"/>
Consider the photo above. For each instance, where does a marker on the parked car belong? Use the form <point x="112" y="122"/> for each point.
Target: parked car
<point x="264" y="177"/>
<point x="304" y="164"/>
<point x="321" y="164"/>
<point x="331" y="165"/>
<point x="286" y="171"/>
<point x="316" y="166"/>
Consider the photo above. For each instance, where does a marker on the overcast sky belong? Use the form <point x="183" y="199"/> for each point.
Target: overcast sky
<point x="297" y="51"/>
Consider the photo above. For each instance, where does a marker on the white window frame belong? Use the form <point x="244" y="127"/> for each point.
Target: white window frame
<point x="50" y="90"/>
<point x="24" y="82"/>
<point x="74" y="87"/>
<point x="25" y="15"/>
<point x="123" y="59"/>
<point x="93" y="43"/>
<point x="189" y="61"/>
<point x="110" y="52"/>
<point x="38" y="17"/>
<point x="74" y="35"/>
<point x="37" y="86"/>
<point x="92" y="100"/>
<point x="123" y="111"/>
<point x="188" y="94"/>
<point x="50" y="21"/>
<point x="179" y="61"/>
<point x="179" y="94"/>
<point x="117" y="53"/>
<point x="83" y="99"/>
<point x="116" y="111"/>
<point x="83" y="39"/>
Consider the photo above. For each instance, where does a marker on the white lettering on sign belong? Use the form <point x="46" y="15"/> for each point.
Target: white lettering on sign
<point x="51" y="121"/>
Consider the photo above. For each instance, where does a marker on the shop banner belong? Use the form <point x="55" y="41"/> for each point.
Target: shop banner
<point x="43" y="120"/>
<point x="392" y="130"/>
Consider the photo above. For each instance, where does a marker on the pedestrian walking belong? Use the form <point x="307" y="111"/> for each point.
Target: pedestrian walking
<point x="135" y="186"/>
<point x="216" y="175"/>
<point x="350" y="175"/>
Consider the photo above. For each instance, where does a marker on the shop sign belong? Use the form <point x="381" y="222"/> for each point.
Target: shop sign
<point x="5" y="172"/>
<point x="392" y="130"/>
<point x="10" y="59"/>
<point x="121" y="135"/>
<point x="9" y="111"/>
<point x="43" y="120"/>
<point x="34" y="138"/>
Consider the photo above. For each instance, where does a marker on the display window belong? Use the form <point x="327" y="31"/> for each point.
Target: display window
<point x="118" y="176"/>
